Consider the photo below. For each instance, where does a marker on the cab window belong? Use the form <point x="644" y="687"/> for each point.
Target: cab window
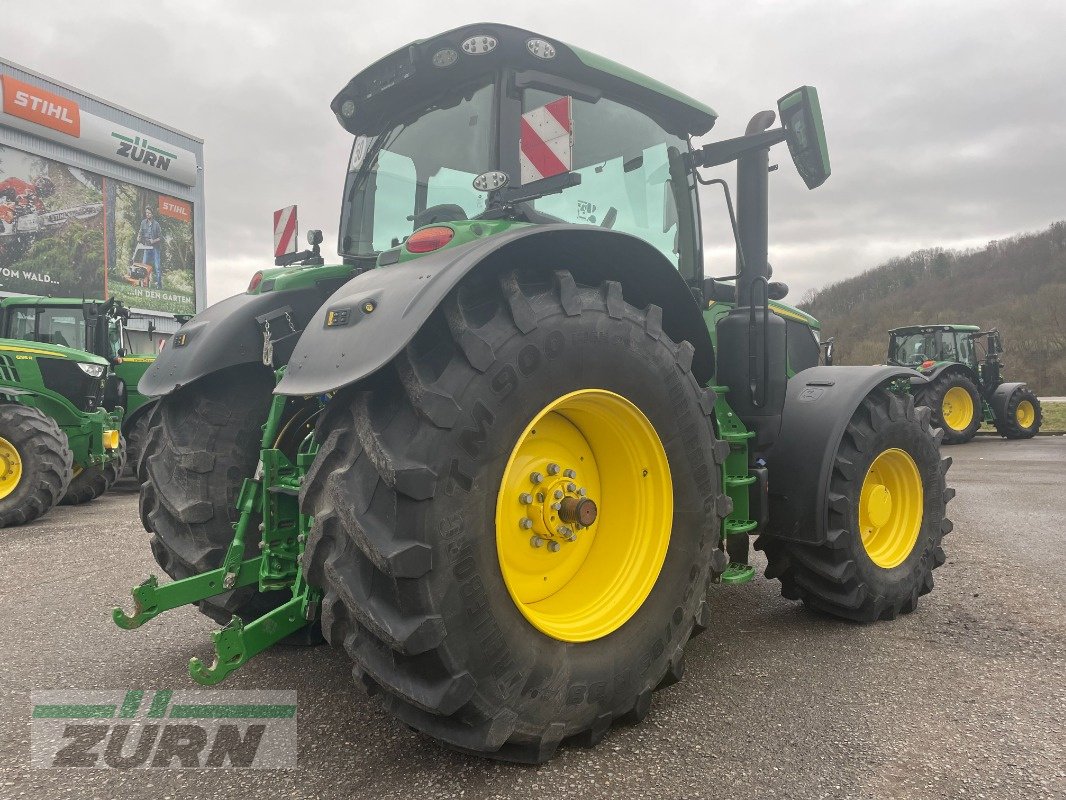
<point x="624" y="159"/>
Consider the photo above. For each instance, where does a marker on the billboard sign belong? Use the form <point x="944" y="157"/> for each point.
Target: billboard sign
<point x="30" y="108"/>
<point x="65" y="231"/>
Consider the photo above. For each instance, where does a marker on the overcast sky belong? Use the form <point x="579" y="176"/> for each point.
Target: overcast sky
<point x="946" y="121"/>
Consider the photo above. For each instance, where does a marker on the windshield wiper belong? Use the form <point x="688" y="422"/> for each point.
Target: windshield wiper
<point x="502" y="202"/>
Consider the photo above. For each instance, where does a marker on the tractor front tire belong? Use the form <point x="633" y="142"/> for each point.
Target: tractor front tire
<point x="1022" y="416"/>
<point x="136" y="436"/>
<point x="433" y="497"/>
<point x="204" y="440"/>
<point x="36" y="462"/>
<point x="92" y="482"/>
<point x="887" y="515"/>
<point x="956" y="405"/>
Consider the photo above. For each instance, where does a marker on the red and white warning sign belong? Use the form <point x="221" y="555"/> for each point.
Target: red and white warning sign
<point x="547" y="140"/>
<point x="284" y="231"/>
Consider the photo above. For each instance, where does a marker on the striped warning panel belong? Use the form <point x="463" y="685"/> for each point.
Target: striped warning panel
<point x="547" y="140"/>
<point x="284" y="231"/>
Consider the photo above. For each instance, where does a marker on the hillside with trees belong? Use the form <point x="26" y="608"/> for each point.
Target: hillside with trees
<point x="1017" y="285"/>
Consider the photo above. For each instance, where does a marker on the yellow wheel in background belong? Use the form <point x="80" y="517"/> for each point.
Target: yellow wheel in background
<point x="10" y="468"/>
<point x="1025" y="414"/>
<point x="890" y="508"/>
<point x="958" y="408"/>
<point x="583" y="515"/>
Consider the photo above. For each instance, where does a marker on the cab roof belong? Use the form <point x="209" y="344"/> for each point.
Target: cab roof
<point x="938" y="326"/>
<point x="374" y="91"/>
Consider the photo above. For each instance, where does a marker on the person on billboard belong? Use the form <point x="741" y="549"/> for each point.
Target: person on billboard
<point x="150" y="235"/>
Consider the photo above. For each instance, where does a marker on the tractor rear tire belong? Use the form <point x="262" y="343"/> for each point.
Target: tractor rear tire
<point x="36" y="461"/>
<point x="1022" y="416"/>
<point x="956" y="405"/>
<point x="865" y="570"/>
<point x="411" y="484"/>
<point x="203" y="442"/>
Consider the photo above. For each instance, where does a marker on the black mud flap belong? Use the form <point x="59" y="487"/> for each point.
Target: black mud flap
<point x="819" y="403"/>
<point x="230" y="333"/>
<point x="370" y="319"/>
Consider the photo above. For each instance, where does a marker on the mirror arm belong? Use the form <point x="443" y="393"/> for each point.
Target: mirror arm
<point x="718" y="153"/>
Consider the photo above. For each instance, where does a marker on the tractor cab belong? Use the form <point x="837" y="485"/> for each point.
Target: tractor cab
<point x="489" y="127"/>
<point x="923" y="347"/>
<point x="98" y="327"/>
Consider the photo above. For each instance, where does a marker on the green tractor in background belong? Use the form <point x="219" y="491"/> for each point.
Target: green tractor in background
<point x="501" y="452"/>
<point x="96" y="326"/>
<point x="57" y="442"/>
<point x="962" y="381"/>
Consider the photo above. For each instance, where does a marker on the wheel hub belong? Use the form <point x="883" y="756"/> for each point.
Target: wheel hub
<point x="10" y="468"/>
<point x="556" y="508"/>
<point x="880" y="505"/>
<point x="584" y="515"/>
<point x="957" y="408"/>
<point x="891" y="508"/>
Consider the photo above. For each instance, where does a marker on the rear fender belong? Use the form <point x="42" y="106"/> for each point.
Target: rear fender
<point x="229" y="334"/>
<point x="370" y="319"/>
<point x="819" y="403"/>
<point x="940" y="369"/>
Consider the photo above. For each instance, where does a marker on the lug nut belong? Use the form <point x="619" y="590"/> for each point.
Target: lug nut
<point x="536" y="541"/>
<point x="558" y="494"/>
<point x="540" y="497"/>
<point x="557" y="506"/>
<point x="553" y="547"/>
<point x="571" y="487"/>
<point x="525" y="498"/>
<point x="553" y="469"/>
<point x="525" y="523"/>
<point x="569" y="473"/>
<point x="582" y="491"/>
<point x="566" y="533"/>
<point x="536" y="477"/>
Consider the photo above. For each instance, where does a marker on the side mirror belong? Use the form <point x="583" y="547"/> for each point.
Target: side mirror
<point x="827" y="347"/>
<point x="122" y="352"/>
<point x="777" y="290"/>
<point x="314" y="237"/>
<point x="801" y="116"/>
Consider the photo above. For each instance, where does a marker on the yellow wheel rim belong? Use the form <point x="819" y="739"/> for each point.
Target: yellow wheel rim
<point x="890" y="508"/>
<point x="579" y="582"/>
<point x="1025" y="414"/>
<point x="11" y="466"/>
<point x="958" y="408"/>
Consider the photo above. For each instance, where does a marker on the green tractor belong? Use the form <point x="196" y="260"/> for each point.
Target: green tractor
<point x="962" y="381"/>
<point x="57" y="442"/>
<point x="499" y="454"/>
<point x="96" y="326"/>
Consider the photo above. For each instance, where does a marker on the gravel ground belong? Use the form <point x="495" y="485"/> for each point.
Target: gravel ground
<point x="964" y="698"/>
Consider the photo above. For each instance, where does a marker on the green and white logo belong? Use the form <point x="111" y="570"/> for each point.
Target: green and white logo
<point x="163" y="729"/>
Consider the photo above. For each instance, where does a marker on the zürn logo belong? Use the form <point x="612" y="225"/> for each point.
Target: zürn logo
<point x="139" y="149"/>
<point x="187" y="729"/>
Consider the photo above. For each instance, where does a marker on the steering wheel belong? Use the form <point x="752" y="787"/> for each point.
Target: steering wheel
<point x="444" y="212"/>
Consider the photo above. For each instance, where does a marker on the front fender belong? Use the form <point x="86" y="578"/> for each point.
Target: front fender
<point x="819" y="403"/>
<point x="370" y="319"/>
<point x="1001" y="398"/>
<point x="226" y="335"/>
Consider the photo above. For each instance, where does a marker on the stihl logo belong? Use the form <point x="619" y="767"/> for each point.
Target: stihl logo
<point x="31" y="103"/>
